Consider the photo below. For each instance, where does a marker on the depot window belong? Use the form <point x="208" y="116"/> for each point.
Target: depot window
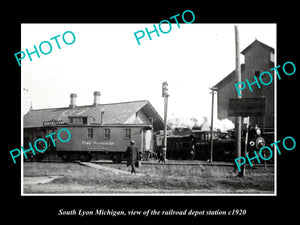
<point x="127" y="133"/>
<point x="78" y="120"/>
<point x="90" y="133"/>
<point x="107" y="134"/>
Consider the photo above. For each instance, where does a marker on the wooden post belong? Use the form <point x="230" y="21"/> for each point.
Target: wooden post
<point x="238" y="124"/>
<point x="165" y="94"/>
<point x="165" y="119"/>
<point x="213" y="89"/>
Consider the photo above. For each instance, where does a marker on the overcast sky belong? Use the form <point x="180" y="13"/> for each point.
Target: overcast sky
<point x="107" y="58"/>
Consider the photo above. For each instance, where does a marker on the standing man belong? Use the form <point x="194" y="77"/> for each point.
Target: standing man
<point x="192" y="152"/>
<point x="132" y="156"/>
<point x="162" y="156"/>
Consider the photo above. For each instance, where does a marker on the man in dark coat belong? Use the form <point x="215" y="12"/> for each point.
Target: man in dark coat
<point x="162" y="156"/>
<point x="132" y="156"/>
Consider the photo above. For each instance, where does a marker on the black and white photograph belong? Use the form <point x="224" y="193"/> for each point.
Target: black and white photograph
<point x="116" y="116"/>
<point x="147" y="115"/>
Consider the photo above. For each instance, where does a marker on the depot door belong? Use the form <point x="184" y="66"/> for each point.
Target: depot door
<point x="148" y="139"/>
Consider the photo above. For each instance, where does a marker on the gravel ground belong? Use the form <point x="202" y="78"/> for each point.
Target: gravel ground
<point x="158" y="179"/>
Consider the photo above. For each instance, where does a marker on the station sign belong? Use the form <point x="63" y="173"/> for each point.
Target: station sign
<point x="247" y="107"/>
<point x="53" y="123"/>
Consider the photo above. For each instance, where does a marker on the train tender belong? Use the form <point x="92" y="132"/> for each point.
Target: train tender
<point x="96" y="130"/>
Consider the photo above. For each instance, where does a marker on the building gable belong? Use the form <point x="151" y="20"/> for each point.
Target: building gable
<point x="255" y="44"/>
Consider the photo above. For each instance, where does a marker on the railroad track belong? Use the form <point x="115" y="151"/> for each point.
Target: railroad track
<point x="168" y="162"/>
<point x="171" y="162"/>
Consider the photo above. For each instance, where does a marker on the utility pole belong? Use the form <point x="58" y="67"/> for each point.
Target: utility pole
<point x="213" y="89"/>
<point x="238" y="123"/>
<point x="165" y="95"/>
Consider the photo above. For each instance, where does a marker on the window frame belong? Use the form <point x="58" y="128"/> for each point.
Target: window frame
<point x="78" y="120"/>
<point x="126" y="137"/>
<point x="89" y="133"/>
<point x="106" y="136"/>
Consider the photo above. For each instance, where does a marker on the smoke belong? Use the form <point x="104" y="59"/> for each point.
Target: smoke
<point x="201" y="122"/>
<point x="187" y="122"/>
<point x="224" y="125"/>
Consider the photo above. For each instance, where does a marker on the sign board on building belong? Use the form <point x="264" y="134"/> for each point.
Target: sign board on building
<point x="246" y="107"/>
<point x="53" y="123"/>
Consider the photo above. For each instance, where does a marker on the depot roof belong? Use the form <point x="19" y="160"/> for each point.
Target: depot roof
<point x="124" y="113"/>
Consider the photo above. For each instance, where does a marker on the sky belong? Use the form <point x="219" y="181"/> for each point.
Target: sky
<point x="107" y="58"/>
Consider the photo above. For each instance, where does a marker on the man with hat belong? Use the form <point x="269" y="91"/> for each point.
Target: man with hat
<point x="132" y="156"/>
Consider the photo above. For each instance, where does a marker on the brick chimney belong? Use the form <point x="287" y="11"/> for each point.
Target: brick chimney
<point x="73" y="101"/>
<point x="97" y="95"/>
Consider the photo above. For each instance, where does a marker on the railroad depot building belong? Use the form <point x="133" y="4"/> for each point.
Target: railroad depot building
<point x="96" y="128"/>
<point x="259" y="57"/>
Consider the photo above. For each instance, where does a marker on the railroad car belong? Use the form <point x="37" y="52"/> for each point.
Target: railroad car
<point x="197" y="145"/>
<point x="179" y="147"/>
<point x="92" y="142"/>
<point x="101" y="142"/>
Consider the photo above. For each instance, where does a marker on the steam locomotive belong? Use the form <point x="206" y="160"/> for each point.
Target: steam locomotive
<point x="197" y="145"/>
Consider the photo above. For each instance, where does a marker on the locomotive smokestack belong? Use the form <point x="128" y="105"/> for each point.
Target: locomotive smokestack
<point x="97" y="95"/>
<point x="73" y="101"/>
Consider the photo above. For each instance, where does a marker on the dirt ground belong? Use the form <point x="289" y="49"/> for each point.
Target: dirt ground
<point x="72" y="178"/>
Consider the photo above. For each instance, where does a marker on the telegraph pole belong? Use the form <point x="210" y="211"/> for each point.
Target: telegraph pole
<point x="213" y="89"/>
<point x="238" y="124"/>
<point x="165" y="95"/>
